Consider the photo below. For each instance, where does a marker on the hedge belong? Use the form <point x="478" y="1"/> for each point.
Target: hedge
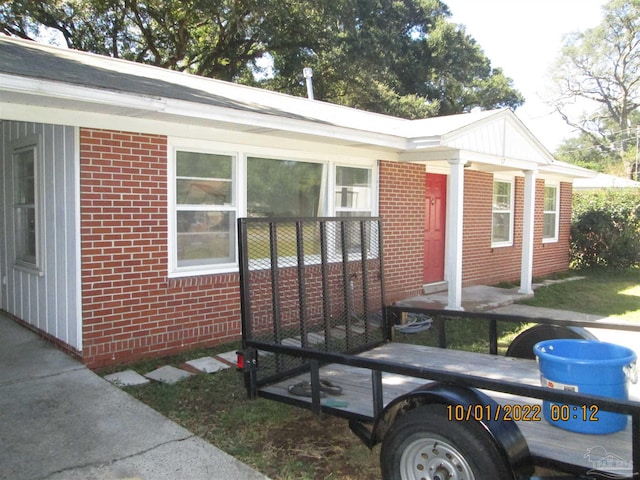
<point x="605" y="229"/>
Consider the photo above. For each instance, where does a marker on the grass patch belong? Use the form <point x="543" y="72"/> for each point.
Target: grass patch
<point x="469" y="334"/>
<point x="601" y="292"/>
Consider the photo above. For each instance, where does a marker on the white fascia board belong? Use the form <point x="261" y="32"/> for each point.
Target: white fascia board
<point x="156" y="108"/>
<point x="430" y="155"/>
<point x="567" y="170"/>
<point x="282" y="123"/>
<point x="419" y="143"/>
<point x="481" y="160"/>
<point x="206" y="132"/>
<point x="78" y="93"/>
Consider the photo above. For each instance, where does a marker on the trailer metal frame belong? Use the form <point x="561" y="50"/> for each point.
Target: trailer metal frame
<point x="285" y="264"/>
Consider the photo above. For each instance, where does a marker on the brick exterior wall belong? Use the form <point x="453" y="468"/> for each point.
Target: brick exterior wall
<point x="484" y="265"/>
<point x="552" y="257"/>
<point x="401" y="207"/>
<point x="130" y="308"/>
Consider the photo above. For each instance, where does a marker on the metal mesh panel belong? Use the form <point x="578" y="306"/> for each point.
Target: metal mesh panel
<point x="312" y="283"/>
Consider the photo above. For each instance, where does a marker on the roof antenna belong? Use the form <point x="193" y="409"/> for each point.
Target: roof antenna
<point x="307" y="73"/>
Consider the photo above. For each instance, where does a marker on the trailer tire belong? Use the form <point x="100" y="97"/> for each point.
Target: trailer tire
<point x="522" y="345"/>
<point x="424" y="444"/>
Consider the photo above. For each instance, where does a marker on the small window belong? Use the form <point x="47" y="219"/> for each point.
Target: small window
<point x="551" y="215"/>
<point x="205" y="210"/>
<point x="353" y="199"/>
<point x="26" y="206"/>
<point x="353" y="192"/>
<point x="502" y="220"/>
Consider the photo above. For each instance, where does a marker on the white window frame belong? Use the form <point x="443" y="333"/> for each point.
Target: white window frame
<point x="241" y="153"/>
<point x="31" y="143"/>
<point x="206" y="148"/>
<point x="334" y="185"/>
<point x="511" y="211"/>
<point x="555" y="212"/>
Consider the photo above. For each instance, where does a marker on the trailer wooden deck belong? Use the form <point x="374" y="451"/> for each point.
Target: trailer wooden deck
<point x="610" y="453"/>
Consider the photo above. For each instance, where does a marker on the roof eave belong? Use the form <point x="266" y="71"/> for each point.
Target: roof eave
<point x="568" y="170"/>
<point x="158" y="108"/>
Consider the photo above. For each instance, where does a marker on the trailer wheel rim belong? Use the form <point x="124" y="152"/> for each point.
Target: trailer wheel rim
<point x="433" y="459"/>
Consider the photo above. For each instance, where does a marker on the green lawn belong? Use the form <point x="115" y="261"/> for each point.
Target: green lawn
<point x="601" y="292"/>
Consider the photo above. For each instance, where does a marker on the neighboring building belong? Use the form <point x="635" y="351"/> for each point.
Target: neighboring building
<point x="602" y="181"/>
<point x="122" y="183"/>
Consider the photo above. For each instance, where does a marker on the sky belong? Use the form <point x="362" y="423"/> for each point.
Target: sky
<point x="524" y="38"/>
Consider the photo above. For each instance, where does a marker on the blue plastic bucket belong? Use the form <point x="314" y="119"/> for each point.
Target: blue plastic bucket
<point x="585" y="366"/>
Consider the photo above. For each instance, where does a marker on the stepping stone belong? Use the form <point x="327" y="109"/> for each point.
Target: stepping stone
<point x="126" y="378"/>
<point x="315" y="338"/>
<point x="207" y="364"/>
<point x="168" y="374"/>
<point x="292" y="342"/>
<point x="229" y="357"/>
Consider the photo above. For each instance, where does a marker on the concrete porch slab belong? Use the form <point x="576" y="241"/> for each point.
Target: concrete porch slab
<point x="478" y="298"/>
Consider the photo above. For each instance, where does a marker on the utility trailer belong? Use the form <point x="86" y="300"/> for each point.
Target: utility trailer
<point x="314" y="314"/>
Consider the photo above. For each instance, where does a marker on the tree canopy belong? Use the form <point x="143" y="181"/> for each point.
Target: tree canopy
<point x="597" y="88"/>
<point x="399" y="57"/>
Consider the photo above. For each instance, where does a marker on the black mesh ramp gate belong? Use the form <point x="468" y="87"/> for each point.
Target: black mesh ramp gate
<point x="312" y="283"/>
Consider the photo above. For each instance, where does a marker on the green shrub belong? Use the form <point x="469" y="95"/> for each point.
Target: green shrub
<point x="605" y="229"/>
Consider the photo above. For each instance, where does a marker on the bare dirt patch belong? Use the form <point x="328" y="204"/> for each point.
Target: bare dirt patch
<point x="326" y="445"/>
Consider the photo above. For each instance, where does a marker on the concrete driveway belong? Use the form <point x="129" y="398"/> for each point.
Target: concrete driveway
<point x="60" y="421"/>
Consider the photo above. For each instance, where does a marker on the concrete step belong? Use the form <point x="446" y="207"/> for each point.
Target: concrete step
<point x="435" y="287"/>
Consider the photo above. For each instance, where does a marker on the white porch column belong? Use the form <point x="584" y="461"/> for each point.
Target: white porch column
<point x="455" y="202"/>
<point x="528" y="223"/>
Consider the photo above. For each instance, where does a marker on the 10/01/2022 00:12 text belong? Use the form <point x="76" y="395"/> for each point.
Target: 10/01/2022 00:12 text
<point x="520" y="412"/>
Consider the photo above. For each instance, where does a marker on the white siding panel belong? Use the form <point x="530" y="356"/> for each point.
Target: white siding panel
<point x="49" y="300"/>
<point x="500" y="139"/>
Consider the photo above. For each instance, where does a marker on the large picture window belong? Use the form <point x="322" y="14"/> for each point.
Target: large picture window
<point x="502" y="219"/>
<point x="211" y="189"/>
<point x="551" y="204"/>
<point x="205" y="209"/>
<point x="284" y="188"/>
<point x="26" y="206"/>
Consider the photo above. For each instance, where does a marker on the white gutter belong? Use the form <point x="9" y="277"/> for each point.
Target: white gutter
<point x="155" y="107"/>
<point x="65" y="91"/>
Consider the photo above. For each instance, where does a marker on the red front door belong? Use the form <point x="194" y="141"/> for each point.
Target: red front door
<point x="434" y="227"/>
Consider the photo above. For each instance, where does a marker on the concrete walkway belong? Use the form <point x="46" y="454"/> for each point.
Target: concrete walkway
<point x="60" y="421"/>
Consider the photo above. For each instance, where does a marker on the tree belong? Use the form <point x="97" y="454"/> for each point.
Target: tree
<point x="215" y="38"/>
<point x="400" y="57"/>
<point x="585" y="152"/>
<point x="600" y="69"/>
